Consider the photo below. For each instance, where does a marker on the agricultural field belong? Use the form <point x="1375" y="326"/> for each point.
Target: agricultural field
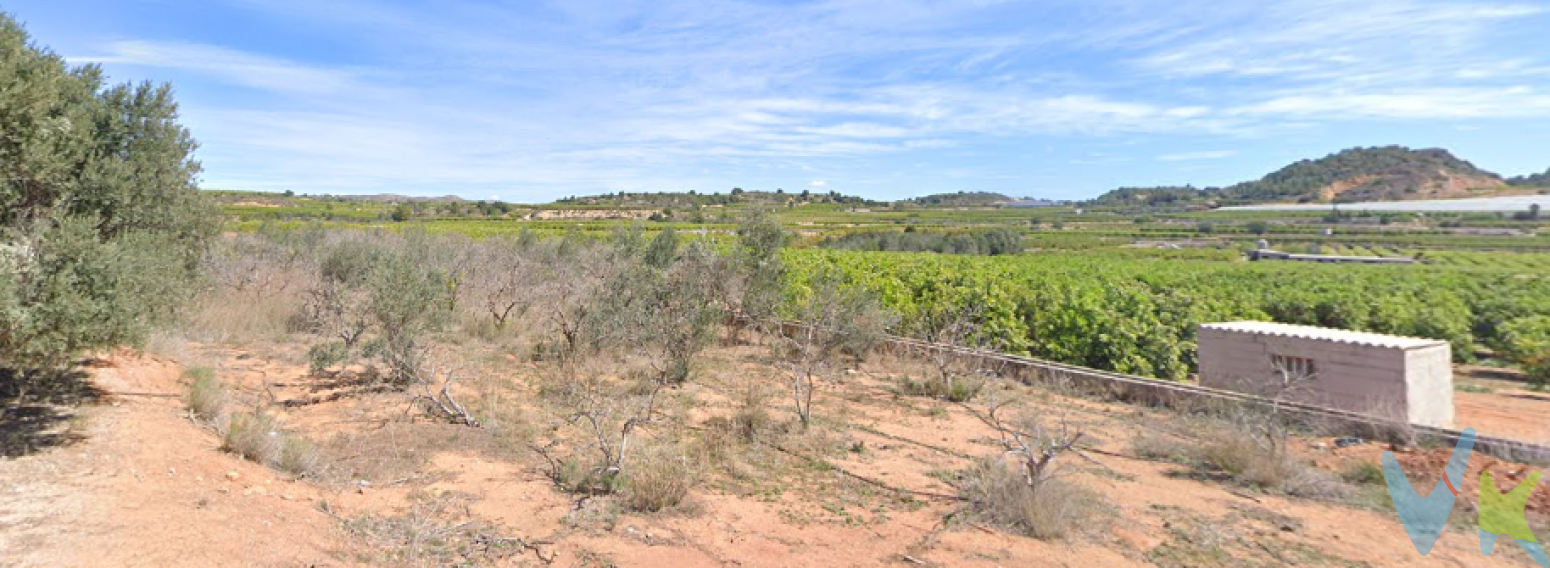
<point x="1148" y="277"/>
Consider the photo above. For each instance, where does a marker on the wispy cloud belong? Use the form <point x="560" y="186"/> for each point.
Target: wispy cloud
<point x="1195" y="156"/>
<point x="229" y="65"/>
<point x="1338" y="40"/>
<point x="1425" y="104"/>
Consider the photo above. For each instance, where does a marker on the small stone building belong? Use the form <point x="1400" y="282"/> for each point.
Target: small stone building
<point x="1400" y="377"/>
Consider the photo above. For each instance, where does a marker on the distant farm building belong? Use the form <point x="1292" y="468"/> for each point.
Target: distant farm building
<point x="1399" y="377"/>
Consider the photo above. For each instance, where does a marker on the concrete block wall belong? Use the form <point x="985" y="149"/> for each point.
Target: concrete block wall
<point x="1415" y="384"/>
<point x="1429" y="374"/>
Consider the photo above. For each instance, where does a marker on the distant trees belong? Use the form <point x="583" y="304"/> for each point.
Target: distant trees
<point x="101" y="223"/>
<point x="1149" y="196"/>
<point x="962" y="199"/>
<point x="1531" y="180"/>
<point x="996" y="241"/>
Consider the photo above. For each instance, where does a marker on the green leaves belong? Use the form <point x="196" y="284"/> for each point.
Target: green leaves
<point x="1528" y="343"/>
<point x="100" y="219"/>
<point x="1140" y="316"/>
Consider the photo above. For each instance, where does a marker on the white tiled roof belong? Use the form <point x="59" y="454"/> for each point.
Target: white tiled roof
<point x="1325" y="334"/>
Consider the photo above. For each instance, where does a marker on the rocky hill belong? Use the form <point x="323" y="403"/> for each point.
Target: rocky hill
<point x="1387" y="173"/>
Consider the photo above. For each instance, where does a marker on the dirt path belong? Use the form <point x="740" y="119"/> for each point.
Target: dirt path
<point x="146" y="487"/>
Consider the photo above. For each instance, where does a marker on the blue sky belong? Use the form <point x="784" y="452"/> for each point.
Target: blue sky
<point x="529" y="101"/>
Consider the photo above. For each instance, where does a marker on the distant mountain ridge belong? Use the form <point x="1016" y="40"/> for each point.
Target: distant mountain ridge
<point x="1385" y="173"/>
<point x="1531" y="180"/>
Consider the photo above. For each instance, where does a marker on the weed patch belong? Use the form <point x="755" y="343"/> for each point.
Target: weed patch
<point x="206" y="395"/>
<point x="1048" y="509"/>
<point x="259" y="437"/>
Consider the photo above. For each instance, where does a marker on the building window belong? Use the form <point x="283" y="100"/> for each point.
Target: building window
<point x="1289" y="368"/>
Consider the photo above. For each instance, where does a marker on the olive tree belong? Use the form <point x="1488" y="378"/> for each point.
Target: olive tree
<point x="836" y="322"/>
<point x="376" y="299"/>
<point x="101" y="223"/>
<point x="755" y="294"/>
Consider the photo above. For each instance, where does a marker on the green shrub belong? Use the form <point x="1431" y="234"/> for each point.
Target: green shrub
<point x="322" y="356"/>
<point x="1528" y="343"/>
<point x="68" y="292"/>
<point x="1363" y="473"/>
<point x="962" y="389"/>
<point x="101" y="222"/>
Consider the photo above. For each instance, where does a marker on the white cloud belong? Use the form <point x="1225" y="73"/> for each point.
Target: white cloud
<point x="229" y="65"/>
<point x="1421" y="104"/>
<point x="1332" y="40"/>
<point x="1193" y="156"/>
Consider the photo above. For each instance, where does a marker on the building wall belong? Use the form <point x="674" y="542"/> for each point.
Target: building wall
<point x="1429" y="376"/>
<point x="1359" y="378"/>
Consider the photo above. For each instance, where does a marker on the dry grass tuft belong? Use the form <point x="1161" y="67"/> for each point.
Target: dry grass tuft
<point x="248" y="436"/>
<point x="297" y="456"/>
<point x="658" y="480"/>
<point x="1240" y="459"/>
<point x="1155" y="447"/>
<point x="434" y="530"/>
<point x="232" y="317"/>
<point x="1050" y="509"/>
<point x="258" y="437"/>
<point x="394" y="451"/>
<point x="206" y="397"/>
<point x="751" y="423"/>
<point x="961" y="389"/>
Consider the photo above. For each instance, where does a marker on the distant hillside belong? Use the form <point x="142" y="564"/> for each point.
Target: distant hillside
<point x="1388" y="173"/>
<point x="961" y="199"/>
